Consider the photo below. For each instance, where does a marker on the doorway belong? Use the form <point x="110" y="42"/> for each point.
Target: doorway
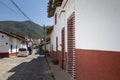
<point x="63" y="47"/>
<point x="71" y="44"/>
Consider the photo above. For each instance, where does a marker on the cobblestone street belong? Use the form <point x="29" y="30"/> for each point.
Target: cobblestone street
<point x="33" y="67"/>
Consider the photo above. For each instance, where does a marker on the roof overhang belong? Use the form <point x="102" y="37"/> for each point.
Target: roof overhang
<point x="12" y="35"/>
<point x="52" y="4"/>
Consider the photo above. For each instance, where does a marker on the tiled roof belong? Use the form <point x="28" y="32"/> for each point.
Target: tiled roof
<point x="12" y="35"/>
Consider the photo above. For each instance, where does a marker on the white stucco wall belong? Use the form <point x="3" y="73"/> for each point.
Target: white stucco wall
<point x="14" y="42"/>
<point x="57" y="29"/>
<point x="53" y="40"/>
<point x="3" y="40"/>
<point x="69" y="9"/>
<point x="97" y="24"/>
<point x="5" y="48"/>
<point x="62" y="22"/>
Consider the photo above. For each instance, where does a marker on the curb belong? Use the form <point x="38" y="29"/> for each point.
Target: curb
<point x="52" y="75"/>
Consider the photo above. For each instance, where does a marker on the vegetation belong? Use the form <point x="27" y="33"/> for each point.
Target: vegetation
<point x="23" y="28"/>
<point x="48" y="30"/>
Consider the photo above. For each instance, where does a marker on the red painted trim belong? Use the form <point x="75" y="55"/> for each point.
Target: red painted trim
<point x="97" y="65"/>
<point x="53" y="53"/>
<point x="59" y="54"/>
<point x="6" y="54"/>
<point x="13" y="54"/>
<point x="66" y="61"/>
<point x="63" y="47"/>
<point x="71" y="45"/>
<point x="60" y="58"/>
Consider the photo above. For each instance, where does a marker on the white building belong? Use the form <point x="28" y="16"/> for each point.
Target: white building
<point x="9" y="44"/>
<point x="86" y="37"/>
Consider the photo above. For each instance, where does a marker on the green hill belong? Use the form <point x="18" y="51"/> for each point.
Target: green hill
<point x="22" y="28"/>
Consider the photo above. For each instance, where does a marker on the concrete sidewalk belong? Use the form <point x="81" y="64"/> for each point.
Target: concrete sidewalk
<point x="58" y="73"/>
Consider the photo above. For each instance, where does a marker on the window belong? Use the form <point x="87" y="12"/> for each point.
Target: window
<point x="22" y="49"/>
<point x="6" y="43"/>
<point x="2" y="36"/>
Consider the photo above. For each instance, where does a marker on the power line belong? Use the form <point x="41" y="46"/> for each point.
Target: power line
<point x="20" y="10"/>
<point x="9" y="8"/>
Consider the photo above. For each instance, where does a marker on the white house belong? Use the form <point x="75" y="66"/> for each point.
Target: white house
<point x="9" y="44"/>
<point x="86" y="37"/>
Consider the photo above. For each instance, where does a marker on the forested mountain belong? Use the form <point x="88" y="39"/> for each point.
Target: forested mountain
<point x="22" y="28"/>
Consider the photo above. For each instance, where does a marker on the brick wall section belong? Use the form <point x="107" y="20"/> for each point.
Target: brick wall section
<point x="60" y="58"/>
<point x="66" y="62"/>
<point x="53" y="53"/>
<point x="97" y="65"/>
<point x="71" y="45"/>
<point x="59" y="54"/>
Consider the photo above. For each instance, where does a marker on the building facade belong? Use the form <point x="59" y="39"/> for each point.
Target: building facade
<point x="86" y="38"/>
<point x="9" y="44"/>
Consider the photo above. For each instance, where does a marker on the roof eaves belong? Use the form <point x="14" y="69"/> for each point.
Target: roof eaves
<point x="12" y="35"/>
<point x="52" y="6"/>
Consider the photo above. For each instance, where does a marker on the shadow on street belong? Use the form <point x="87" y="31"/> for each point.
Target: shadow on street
<point x="36" y="69"/>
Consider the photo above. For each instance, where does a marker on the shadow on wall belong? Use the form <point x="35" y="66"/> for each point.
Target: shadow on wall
<point x="36" y="69"/>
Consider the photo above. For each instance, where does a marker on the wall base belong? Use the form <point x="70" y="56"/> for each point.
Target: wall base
<point x="58" y="56"/>
<point x="97" y="65"/>
<point x="7" y="54"/>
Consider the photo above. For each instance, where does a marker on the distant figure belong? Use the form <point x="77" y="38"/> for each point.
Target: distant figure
<point x="30" y="50"/>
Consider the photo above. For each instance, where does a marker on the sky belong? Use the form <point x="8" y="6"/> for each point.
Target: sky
<point x="36" y="10"/>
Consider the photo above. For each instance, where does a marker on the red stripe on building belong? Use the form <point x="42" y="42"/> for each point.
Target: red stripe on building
<point x="97" y="65"/>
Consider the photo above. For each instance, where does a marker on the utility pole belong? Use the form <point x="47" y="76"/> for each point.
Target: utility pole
<point x="44" y="40"/>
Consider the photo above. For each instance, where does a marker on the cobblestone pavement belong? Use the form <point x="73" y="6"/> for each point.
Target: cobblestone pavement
<point x="33" y="67"/>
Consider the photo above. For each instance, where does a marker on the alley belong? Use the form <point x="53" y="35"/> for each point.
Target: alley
<point x="33" y="67"/>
